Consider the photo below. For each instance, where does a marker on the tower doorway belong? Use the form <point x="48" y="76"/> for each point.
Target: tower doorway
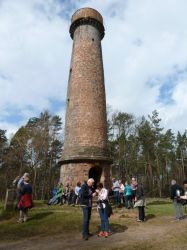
<point x="95" y="173"/>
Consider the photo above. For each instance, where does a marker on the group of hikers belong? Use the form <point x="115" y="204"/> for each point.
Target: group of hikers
<point x="120" y="194"/>
<point x="129" y="195"/>
<point x="65" y="194"/>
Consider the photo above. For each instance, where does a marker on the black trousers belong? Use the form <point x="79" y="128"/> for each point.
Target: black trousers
<point x="86" y="220"/>
<point x="141" y="213"/>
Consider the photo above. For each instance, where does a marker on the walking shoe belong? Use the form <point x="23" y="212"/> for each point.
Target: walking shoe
<point x="85" y="237"/>
<point x="139" y="220"/>
<point x="100" y="234"/>
<point x="182" y="218"/>
<point x="20" y="220"/>
<point x="106" y="234"/>
<point x="174" y="220"/>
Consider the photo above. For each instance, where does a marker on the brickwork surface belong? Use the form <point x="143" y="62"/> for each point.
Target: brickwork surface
<point x="86" y="122"/>
<point x="73" y="172"/>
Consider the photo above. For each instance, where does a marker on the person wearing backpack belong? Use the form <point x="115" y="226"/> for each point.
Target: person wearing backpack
<point x="176" y="193"/>
<point x="102" y="207"/>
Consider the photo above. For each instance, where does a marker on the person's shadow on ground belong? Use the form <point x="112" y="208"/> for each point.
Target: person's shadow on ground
<point x="115" y="228"/>
<point x="149" y="217"/>
<point x="40" y="216"/>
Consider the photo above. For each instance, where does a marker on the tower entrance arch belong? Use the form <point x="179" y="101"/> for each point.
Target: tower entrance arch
<point x="95" y="173"/>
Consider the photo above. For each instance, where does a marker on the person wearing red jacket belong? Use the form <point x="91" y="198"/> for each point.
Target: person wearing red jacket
<point x="26" y="201"/>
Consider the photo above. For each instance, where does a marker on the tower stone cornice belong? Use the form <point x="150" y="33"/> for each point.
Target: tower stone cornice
<point x="87" y="21"/>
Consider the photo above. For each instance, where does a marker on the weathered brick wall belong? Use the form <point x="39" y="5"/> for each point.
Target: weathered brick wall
<point x="74" y="172"/>
<point x="86" y="106"/>
<point x="86" y="122"/>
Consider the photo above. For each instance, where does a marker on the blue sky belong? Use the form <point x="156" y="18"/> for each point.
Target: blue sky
<point x="144" y="53"/>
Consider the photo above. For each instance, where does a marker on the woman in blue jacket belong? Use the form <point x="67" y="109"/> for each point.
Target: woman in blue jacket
<point x="128" y="195"/>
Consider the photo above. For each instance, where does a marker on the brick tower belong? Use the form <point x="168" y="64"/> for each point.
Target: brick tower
<point x="85" y="151"/>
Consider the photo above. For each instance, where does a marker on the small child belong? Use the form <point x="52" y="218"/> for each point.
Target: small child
<point x="26" y="199"/>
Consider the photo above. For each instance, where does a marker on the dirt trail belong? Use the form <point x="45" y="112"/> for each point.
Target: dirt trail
<point x="154" y="234"/>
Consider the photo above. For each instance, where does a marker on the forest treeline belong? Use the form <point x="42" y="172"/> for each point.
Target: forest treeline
<point x="140" y="147"/>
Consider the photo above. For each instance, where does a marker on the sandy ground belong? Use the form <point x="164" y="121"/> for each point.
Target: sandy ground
<point x="163" y="233"/>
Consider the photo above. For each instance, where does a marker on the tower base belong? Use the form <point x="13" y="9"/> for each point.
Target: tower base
<point x="74" y="172"/>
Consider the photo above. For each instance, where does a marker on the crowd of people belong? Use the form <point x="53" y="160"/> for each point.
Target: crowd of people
<point x="120" y="194"/>
<point x="65" y="194"/>
<point x="130" y="195"/>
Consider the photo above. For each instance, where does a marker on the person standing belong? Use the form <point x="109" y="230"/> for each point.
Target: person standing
<point x="184" y="195"/>
<point x="116" y="188"/>
<point x="176" y="192"/>
<point x="26" y="201"/>
<point x="102" y="204"/>
<point x="140" y="203"/>
<point x="86" y="195"/>
<point x="121" y="192"/>
<point x="18" y="183"/>
<point x="76" y="193"/>
<point x="134" y="188"/>
<point x="128" y="195"/>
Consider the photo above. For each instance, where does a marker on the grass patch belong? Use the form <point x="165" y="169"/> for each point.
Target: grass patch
<point x="42" y="222"/>
<point x="163" y="208"/>
<point x="48" y="220"/>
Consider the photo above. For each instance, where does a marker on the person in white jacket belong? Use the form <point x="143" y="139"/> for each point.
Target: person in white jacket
<point x="102" y="204"/>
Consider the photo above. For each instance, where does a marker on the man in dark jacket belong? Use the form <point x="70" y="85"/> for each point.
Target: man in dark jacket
<point x="140" y="203"/>
<point x="176" y="192"/>
<point x="86" y="194"/>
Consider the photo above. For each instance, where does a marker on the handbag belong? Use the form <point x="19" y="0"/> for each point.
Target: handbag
<point x="139" y="203"/>
<point x="108" y="209"/>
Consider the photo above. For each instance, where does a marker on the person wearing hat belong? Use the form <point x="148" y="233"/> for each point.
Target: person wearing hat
<point x="26" y="201"/>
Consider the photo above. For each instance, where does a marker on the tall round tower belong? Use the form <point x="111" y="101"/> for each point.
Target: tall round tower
<point x="85" y="151"/>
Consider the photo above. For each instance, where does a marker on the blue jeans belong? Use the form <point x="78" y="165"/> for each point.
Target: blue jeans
<point x="128" y="201"/>
<point x="104" y="220"/>
<point x="86" y="220"/>
<point x="178" y="209"/>
<point x="116" y="197"/>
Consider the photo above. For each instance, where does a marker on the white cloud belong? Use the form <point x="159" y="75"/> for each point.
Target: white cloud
<point x="144" y="42"/>
<point x="34" y="51"/>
